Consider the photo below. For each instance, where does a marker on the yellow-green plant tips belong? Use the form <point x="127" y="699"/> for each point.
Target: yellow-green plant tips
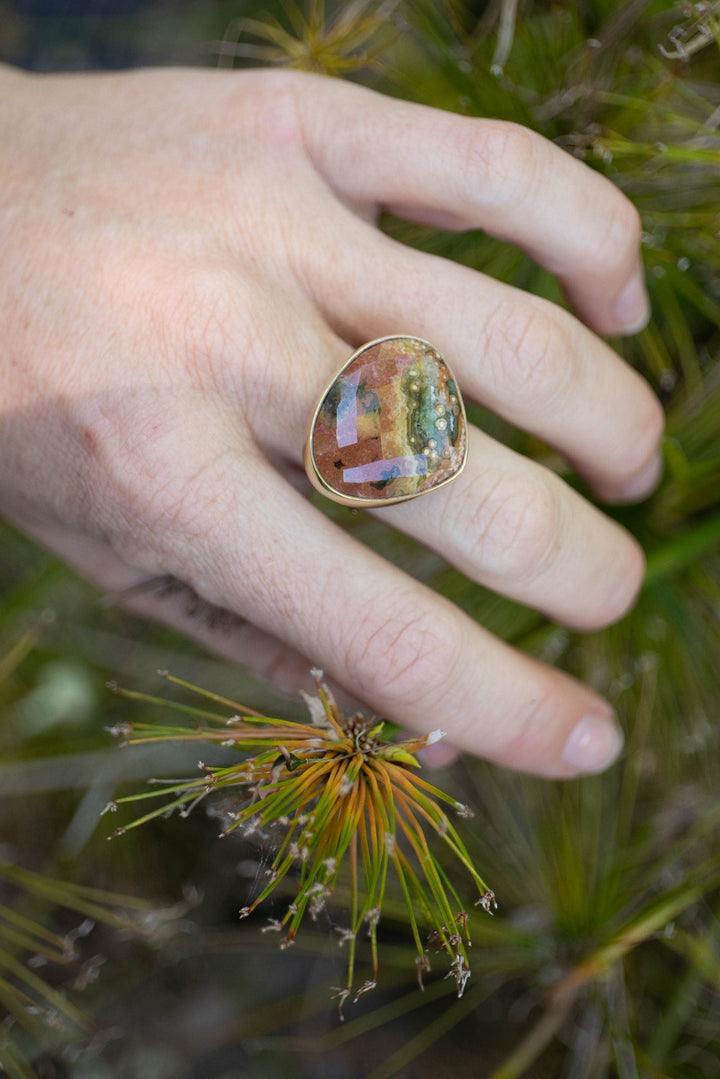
<point x="36" y="1013"/>
<point x="333" y="796"/>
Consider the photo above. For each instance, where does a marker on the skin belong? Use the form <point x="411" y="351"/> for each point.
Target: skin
<point x="189" y="256"/>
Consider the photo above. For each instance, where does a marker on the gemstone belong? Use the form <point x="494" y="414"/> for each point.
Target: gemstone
<point x="390" y="426"/>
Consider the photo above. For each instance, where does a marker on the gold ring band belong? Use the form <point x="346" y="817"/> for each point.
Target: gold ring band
<point x="389" y="427"/>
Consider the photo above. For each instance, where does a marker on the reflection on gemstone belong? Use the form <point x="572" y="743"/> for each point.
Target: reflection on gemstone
<point x="347" y="432"/>
<point x="390" y="426"/>
<point x="385" y="470"/>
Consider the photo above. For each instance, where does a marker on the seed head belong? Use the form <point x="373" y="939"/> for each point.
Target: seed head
<point x="330" y="792"/>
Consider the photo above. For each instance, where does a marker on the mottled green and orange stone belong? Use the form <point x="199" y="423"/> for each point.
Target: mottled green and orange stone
<point x="390" y="427"/>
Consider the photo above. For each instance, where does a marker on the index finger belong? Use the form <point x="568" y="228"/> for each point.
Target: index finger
<point x="459" y="172"/>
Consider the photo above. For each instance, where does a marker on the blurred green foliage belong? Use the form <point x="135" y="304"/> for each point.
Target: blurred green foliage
<point x="604" y="960"/>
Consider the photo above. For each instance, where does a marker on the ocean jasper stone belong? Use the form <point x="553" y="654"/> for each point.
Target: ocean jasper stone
<point x="391" y="426"/>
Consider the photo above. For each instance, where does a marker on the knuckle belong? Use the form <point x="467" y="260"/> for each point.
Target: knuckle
<point x="652" y="425"/>
<point x="265" y="106"/>
<point x="512" y="530"/>
<point x="623" y="593"/>
<point x="531" y="351"/>
<point x="535" y="725"/>
<point x="619" y="242"/>
<point x="146" y="499"/>
<point x="503" y="154"/>
<point x="407" y="659"/>
<point x="647" y="435"/>
<point x="285" y="99"/>
<point x="613" y="589"/>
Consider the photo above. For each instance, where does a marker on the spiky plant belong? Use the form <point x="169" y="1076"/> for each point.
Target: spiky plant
<point x="347" y="40"/>
<point x="324" y="792"/>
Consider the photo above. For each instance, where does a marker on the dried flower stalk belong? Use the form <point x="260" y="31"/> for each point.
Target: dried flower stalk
<point x="330" y="792"/>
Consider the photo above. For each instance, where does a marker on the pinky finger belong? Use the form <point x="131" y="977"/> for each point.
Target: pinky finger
<point x="171" y="602"/>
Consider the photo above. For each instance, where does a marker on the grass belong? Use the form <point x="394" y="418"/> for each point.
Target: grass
<point x="43" y="971"/>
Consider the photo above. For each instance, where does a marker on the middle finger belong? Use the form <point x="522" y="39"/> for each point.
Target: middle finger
<point x="506" y="521"/>
<point x="521" y="356"/>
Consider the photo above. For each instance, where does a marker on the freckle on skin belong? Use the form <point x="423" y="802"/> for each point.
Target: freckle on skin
<point x="68" y="213"/>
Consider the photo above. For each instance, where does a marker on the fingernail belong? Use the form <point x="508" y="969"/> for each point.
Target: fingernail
<point x="594" y="743"/>
<point x="632" y="308"/>
<point x="645" y="481"/>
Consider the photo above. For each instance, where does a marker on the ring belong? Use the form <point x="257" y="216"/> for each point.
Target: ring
<point x="390" y="426"/>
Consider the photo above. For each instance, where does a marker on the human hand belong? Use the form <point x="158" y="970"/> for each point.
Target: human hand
<point x="188" y="258"/>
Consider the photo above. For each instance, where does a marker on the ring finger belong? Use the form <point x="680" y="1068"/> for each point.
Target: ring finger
<point x="506" y="521"/>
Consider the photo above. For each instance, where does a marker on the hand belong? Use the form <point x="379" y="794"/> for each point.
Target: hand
<point x="188" y="258"/>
